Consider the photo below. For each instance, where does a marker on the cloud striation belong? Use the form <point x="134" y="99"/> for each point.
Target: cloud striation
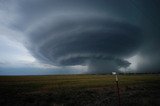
<point x="101" y="35"/>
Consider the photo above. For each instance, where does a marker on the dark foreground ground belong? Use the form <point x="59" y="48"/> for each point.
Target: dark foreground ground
<point x="79" y="90"/>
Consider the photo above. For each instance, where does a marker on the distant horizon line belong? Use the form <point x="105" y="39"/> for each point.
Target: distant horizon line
<point x="138" y="73"/>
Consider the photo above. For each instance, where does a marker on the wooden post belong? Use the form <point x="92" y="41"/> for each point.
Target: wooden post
<point x="119" y="100"/>
<point x="117" y="85"/>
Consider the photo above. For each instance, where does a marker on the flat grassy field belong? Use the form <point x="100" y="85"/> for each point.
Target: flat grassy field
<point x="79" y="90"/>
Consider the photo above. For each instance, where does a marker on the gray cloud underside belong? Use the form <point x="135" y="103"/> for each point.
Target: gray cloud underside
<point x="99" y="34"/>
<point x="82" y="40"/>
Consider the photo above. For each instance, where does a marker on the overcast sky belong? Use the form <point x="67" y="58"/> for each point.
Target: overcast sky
<point x="79" y="36"/>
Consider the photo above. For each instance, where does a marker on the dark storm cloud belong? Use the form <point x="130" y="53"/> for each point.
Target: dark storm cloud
<point x="99" y="34"/>
<point x="84" y="39"/>
<point x="106" y="65"/>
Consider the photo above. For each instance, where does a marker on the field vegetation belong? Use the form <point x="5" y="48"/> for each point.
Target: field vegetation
<point x="79" y="90"/>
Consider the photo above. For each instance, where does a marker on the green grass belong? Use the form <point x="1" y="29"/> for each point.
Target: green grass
<point x="78" y="90"/>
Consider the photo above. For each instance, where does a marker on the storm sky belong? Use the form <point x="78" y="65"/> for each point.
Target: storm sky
<point x="79" y="36"/>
